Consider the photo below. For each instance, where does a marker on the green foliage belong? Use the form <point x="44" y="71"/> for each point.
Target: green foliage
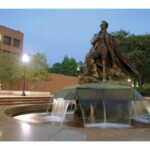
<point x="10" y="68"/>
<point x="122" y="38"/>
<point x="145" y="91"/>
<point x="67" y="67"/>
<point x="55" y="68"/>
<point x="37" y="68"/>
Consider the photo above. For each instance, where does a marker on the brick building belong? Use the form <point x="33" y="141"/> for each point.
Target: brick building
<point x="11" y="41"/>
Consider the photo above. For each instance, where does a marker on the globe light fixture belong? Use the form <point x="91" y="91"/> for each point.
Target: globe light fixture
<point x="25" y="58"/>
<point x="129" y="80"/>
<point x="78" y="69"/>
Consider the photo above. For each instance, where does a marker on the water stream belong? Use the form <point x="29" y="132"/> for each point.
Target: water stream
<point x="59" y="110"/>
<point x="104" y="111"/>
<point x="140" y="97"/>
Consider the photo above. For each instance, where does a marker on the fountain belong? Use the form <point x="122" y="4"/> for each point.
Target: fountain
<point x="107" y="105"/>
<point x="103" y="97"/>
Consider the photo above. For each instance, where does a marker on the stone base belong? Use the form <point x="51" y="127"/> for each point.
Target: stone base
<point x="86" y="79"/>
<point x="120" y="82"/>
<point x="82" y="79"/>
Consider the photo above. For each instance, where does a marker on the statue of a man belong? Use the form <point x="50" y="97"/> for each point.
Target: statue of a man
<point x="107" y="54"/>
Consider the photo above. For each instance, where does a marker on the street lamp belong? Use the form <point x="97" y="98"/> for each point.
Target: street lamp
<point x="78" y="69"/>
<point x="25" y="59"/>
<point x="129" y="80"/>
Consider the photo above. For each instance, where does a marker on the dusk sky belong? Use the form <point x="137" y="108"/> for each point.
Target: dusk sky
<point x="60" y="32"/>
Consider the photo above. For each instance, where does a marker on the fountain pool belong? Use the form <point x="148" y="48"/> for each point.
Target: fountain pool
<point x="93" y="105"/>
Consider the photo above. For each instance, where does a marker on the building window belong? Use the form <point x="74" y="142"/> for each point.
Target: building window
<point x="6" y="52"/>
<point x="16" y="43"/>
<point x="7" y="40"/>
<point x="16" y="55"/>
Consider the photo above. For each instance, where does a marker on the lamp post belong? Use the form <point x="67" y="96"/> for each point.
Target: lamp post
<point x="25" y="59"/>
<point x="78" y="70"/>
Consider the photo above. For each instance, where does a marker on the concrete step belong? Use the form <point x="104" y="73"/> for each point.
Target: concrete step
<point x="23" y="97"/>
<point x="37" y="99"/>
<point x="20" y="103"/>
<point x="24" y="100"/>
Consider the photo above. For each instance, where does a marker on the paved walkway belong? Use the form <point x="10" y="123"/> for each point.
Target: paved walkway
<point x="15" y="130"/>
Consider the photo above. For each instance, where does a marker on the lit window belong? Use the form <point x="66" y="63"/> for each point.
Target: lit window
<point x="16" y="43"/>
<point x="7" y="40"/>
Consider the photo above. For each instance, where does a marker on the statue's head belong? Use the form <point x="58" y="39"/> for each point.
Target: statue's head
<point x="104" y="25"/>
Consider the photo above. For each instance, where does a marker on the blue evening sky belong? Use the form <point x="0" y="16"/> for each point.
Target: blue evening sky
<point x="60" y="32"/>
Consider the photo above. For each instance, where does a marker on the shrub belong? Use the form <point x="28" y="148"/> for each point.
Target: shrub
<point x="145" y="91"/>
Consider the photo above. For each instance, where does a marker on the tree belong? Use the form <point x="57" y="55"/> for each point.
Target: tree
<point x="68" y="67"/>
<point x="73" y="67"/>
<point x="141" y="57"/>
<point x="122" y="38"/>
<point x="37" y="69"/>
<point x="10" y="68"/>
<point x="55" y="68"/>
<point x="142" y="64"/>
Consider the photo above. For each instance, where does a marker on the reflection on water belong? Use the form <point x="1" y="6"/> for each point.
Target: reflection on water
<point x="95" y="113"/>
<point x="34" y="117"/>
<point x="25" y="127"/>
<point x="144" y="118"/>
<point x="44" y="117"/>
<point x="72" y="122"/>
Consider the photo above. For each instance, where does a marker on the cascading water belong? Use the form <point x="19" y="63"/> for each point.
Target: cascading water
<point x="145" y="102"/>
<point x="115" y="113"/>
<point x="94" y="114"/>
<point x="104" y="111"/>
<point x="141" y="109"/>
<point x="59" y="110"/>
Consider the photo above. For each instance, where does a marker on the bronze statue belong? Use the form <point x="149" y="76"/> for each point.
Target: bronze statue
<point x="109" y="60"/>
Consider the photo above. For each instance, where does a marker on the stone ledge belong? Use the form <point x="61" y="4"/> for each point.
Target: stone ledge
<point x="27" y="92"/>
